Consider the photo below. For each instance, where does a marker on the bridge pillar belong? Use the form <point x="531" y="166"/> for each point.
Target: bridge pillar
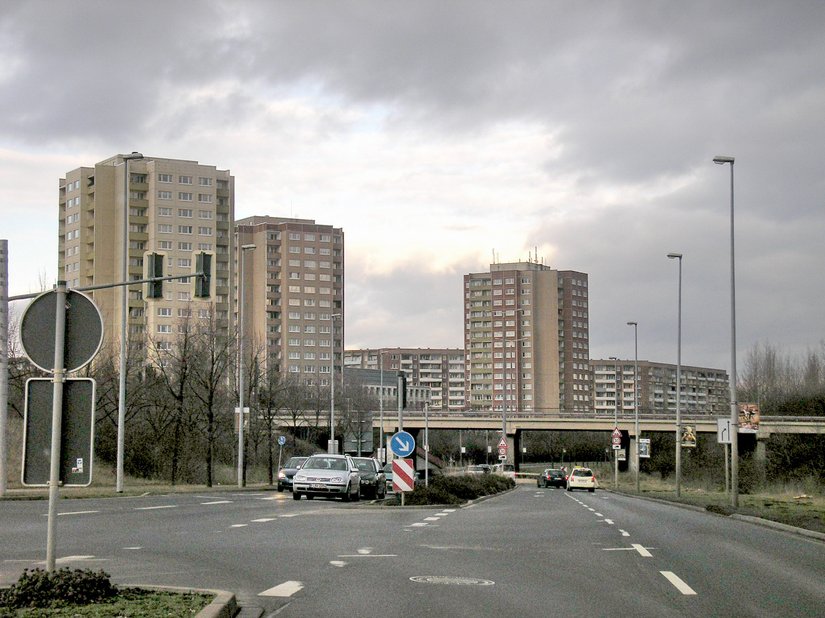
<point x="761" y="452"/>
<point x="631" y="454"/>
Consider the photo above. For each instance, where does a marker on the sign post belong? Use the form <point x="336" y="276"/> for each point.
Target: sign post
<point x="402" y="444"/>
<point x="61" y="346"/>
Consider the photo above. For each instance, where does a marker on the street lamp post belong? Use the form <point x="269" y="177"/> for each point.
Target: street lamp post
<point x="678" y="256"/>
<point x="331" y="448"/>
<point x="636" y="395"/>
<point x="124" y="316"/>
<point x="734" y="406"/>
<point x="615" y="426"/>
<point x="241" y="387"/>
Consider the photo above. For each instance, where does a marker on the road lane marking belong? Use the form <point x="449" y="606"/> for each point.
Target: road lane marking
<point x="368" y="556"/>
<point x="418" y="525"/>
<point x="217" y="502"/>
<point x="287" y="589"/>
<point x="624" y="532"/>
<point x="263" y="520"/>
<point x="432" y="519"/>
<point x="677" y="581"/>
<point x="77" y="513"/>
<point x="448" y="511"/>
<point x="338" y="563"/>
<point x="290" y="515"/>
<point x="238" y="525"/>
<point x="608" y="521"/>
<point x="154" y="508"/>
<point x="133" y="548"/>
<point x="642" y="551"/>
<point x="598" y="515"/>
<point x="365" y="550"/>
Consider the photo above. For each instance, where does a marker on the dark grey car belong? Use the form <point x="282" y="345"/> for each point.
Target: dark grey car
<point x="288" y="471"/>
<point x="373" y="479"/>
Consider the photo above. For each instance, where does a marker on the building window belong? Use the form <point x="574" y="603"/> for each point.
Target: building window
<point x="185" y="180"/>
<point x="185" y="212"/>
<point x="164" y="228"/>
<point x="204" y="182"/>
<point x="204" y="198"/>
<point x="184" y="229"/>
<point x="165" y="195"/>
<point x="204" y="214"/>
<point x="165" y="178"/>
<point x="183" y="196"/>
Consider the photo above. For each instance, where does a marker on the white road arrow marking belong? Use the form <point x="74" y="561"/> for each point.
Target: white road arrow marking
<point x="287" y="589"/>
<point x="642" y="551"/>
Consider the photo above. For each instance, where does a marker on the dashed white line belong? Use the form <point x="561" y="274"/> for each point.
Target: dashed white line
<point x="624" y="532"/>
<point x="418" y="525"/>
<point x="598" y="514"/>
<point x="217" y="502"/>
<point x="77" y="513"/>
<point x="238" y="525"/>
<point x="338" y="563"/>
<point x="677" y="581"/>
<point x="154" y="508"/>
<point x="608" y="521"/>
<point x="287" y="589"/>
<point x="263" y="520"/>
<point x="432" y="519"/>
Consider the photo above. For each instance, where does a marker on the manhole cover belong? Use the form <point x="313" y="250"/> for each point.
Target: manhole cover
<point x="453" y="581"/>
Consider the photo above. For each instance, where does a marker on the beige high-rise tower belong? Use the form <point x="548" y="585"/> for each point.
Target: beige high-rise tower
<point x="175" y="207"/>
<point x="294" y="295"/>
<point x="526" y="339"/>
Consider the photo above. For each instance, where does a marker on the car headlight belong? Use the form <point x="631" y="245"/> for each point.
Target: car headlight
<point x="281" y="474"/>
<point x="300" y="477"/>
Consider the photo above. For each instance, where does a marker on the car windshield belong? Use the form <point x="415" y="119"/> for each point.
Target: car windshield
<point x="294" y="462"/>
<point x="364" y="465"/>
<point x="582" y="472"/>
<point x="325" y="463"/>
<point x="554" y="472"/>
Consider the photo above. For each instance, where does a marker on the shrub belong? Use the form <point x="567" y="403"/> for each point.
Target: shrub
<point x="39" y="588"/>
<point x="457" y="489"/>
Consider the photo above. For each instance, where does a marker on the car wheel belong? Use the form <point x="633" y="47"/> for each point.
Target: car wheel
<point x="280" y="487"/>
<point x="592" y="489"/>
<point x="310" y="496"/>
<point x="347" y="496"/>
<point x="357" y="495"/>
<point x="296" y="495"/>
<point x="569" y="488"/>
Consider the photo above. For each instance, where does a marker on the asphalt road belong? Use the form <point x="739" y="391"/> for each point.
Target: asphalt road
<point x="530" y="552"/>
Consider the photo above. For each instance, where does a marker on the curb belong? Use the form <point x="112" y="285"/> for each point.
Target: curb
<point x="223" y="605"/>
<point x="758" y="521"/>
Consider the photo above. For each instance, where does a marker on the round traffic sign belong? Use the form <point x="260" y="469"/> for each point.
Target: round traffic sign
<point x="402" y="444"/>
<point x="83" y="337"/>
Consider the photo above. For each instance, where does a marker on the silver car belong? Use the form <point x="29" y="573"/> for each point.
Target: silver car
<point x="329" y="476"/>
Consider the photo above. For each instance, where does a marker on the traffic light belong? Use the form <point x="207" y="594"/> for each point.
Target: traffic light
<point x="153" y="268"/>
<point x="203" y="275"/>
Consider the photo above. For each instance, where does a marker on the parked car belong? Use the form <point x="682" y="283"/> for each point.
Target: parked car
<point x="329" y="476"/>
<point x="388" y="477"/>
<point x="581" y="478"/>
<point x="508" y="470"/>
<point x="478" y="469"/>
<point x="373" y="481"/>
<point x="288" y="471"/>
<point x="552" y="477"/>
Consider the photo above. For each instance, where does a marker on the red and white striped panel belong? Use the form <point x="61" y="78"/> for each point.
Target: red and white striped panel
<point x="403" y="475"/>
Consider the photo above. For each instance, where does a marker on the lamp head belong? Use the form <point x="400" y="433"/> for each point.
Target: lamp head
<point x="674" y="256"/>
<point x="721" y="160"/>
<point x="132" y="157"/>
<point x="632" y="324"/>
<point x="247" y="247"/>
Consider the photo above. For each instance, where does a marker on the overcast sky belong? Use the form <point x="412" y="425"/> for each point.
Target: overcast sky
<point x="437" y="134"/>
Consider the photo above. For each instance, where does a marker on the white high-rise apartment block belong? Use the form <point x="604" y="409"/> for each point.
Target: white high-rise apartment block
<point x="526" y="339"/>
<point x="175" y="207"/>
<point x="294" y="289"/>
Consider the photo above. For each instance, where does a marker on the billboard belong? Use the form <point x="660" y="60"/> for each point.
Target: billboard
<point x="748" y="417"/>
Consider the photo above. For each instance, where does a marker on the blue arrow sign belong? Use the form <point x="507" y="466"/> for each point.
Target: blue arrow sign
<point x="282" y="440"/>
<point x="402" y="444"/>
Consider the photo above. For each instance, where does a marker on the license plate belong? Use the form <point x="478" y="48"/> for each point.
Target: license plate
<point x="317" y="486"/>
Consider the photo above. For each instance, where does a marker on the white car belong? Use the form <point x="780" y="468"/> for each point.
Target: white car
<point x="329" y="476"/>
<point x="581" y="478"/>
